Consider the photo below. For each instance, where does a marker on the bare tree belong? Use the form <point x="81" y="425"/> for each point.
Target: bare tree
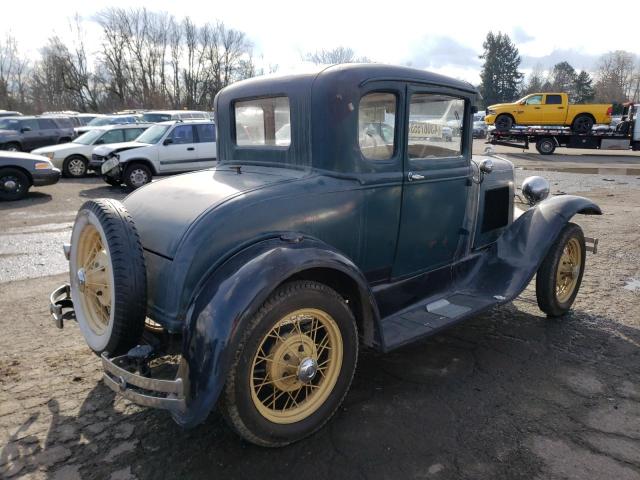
<point x="615" y="77"/>
<point x="12" y="75"/>
<point x="336" y="55"/>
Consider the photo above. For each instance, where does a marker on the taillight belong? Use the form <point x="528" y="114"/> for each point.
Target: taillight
<point x="609" y="111"/>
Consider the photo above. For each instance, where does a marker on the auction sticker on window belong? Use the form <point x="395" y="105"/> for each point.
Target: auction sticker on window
<point x="424" y="130"/>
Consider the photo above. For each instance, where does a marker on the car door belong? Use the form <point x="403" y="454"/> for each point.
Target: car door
<point x="531" y="112"/>
<point x="49" y="132"/>
<point x="435" y="185"/>
<point x="178" y="150"/>
<point x="31" y="135"/>
<point x="206" y="138"/>
<point x="554" y="111"/>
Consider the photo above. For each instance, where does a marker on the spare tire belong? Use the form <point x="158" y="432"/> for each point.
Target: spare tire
<point x="108" y="277"/>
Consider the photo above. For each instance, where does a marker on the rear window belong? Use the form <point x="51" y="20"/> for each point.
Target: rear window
<point x="47" y="123"/>
<point x="554" y="100"/>
<point x="206" y="133"/>
<point x="156" y="117"/>
<point x="260" y="122"/>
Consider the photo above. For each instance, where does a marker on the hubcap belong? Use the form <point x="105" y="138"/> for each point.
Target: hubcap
<point x="139" y="177"/>
<point x="296" y="366"/>
<point x="10" y="184"/>
<point x="568" y="270"/>
<point x="76" y="167"/>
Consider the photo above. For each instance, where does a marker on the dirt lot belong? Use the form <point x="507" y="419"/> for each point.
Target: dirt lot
<point x="507" y="395"/>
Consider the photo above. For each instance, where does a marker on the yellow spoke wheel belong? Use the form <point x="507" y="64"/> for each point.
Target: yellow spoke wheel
<point x="94" y="279"/>
<point x="568" y="270"/>
<point x="296" y="366"/>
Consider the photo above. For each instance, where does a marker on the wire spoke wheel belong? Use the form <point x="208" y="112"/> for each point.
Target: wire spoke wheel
<point x="296" y="366"/>
<point x="568" y="270"/>
<point x="95" y="279"/>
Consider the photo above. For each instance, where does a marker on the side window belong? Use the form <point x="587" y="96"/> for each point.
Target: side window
<point x="435" y="126"/>
<point x="206" y="133"/>
<point x="46" y="124"/>
<point x="535" y="100"/>
<point x="376" y="125"/>
<point x="263" y="121"/>
<point x="131" y="134"/>
<point x="112" y="136"/>
<point x="554" y="100"/>
<point x="31" y="123"/>
<point x="182" y="134"/>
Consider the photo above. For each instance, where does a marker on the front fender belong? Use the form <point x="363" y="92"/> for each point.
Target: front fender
<point x="227" y="301"/>
<point x="516" y="256"/>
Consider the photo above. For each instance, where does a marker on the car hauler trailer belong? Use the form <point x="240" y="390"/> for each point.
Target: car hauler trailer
<point x="626" y="136"/>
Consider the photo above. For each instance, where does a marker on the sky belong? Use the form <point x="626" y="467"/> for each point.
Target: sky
<point x="445" y="37"/>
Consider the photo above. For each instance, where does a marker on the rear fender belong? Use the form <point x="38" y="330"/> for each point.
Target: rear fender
<point x="226" y="302"/>
<point x="516" y="256"/>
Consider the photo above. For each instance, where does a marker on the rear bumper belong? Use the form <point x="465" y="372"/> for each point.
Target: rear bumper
<point x="118" y="374"/>
<point x="48" y="177"/>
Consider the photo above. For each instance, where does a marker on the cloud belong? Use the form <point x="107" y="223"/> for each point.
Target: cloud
<point x="576" y="58"/>
<point x="440" y="51"/>
<point x="521" y="36"/>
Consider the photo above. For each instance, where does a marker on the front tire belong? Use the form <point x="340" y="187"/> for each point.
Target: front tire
<point x="108" y="277"/>
<point x="14" y="184"/>
<point x="74" y="166"/>
<point x="560" y="275"/>
<point x="293" y="366"/>
<point x="503" y="123"/>
<point x="12" y="147"/>
<point x="137" y="175"/>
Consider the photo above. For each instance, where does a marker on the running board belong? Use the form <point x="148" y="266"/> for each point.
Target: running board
<point x="429" y="318"/>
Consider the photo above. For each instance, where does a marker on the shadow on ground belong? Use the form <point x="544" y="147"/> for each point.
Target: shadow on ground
<point x="509" y="395"/>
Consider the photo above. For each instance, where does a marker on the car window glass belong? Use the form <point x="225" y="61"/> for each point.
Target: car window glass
<point x="112" y="136"/>
<point x="62" y="122"/>
<point x="258" y="120"/>
<point x="46" y="123"/>
<point x="554" y="100"/>
<point x="131" y="134"/>
<point x="535" y="100"/>
<point x="435" y="126"/>
<point x="31" y="123"/>
<point x="182" y="134"/>
<point x="206" y="133"/>
<point x="376" y="125"/>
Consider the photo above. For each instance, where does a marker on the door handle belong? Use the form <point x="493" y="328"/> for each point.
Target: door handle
<point x="190" y="148"/>
<point x="537" y="108"/>
<point x="414" y="176"/>
<point x="560" y="108"/>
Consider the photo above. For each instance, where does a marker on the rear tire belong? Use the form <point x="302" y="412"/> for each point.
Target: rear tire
<point x="503" y="123"/>
<point x="12" y="147"/>
<point x="582" y="124"/>
<point x="137" y="175"/>
<point x="108" y="277"/>
<point x="314" y="327"/>
<point x="14" y="184"/>
<point x="75" y="166"/>
<point x="546" y="146"/>
<point x="560" y="275"/>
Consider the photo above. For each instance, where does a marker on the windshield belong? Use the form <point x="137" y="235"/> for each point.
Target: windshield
<point x="9" y="124"/>
<point x="89" y="137"/>
<point x="153" y="134"/>
<point x="156" y="117"/>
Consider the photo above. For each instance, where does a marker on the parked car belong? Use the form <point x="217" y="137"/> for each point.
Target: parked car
<point x="166" y="147"/>
<point x="105" y="120"/>
<point x="479" y="129"/>
<point x="26" y="133"/>
<point x="548" y="109"/>
<point x="156" y="116"/>
<point x="78" y="119"/>
<point x="20" y="171"/>
<point x="268" y="272"/>
<point x="73" y="157"/>
<point x="9" y="113"/>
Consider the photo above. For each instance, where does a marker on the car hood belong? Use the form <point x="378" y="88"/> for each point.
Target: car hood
<point x="164" y="210"/>
<point x="56" y="148"/>
<point x="105" y="150"/>
<point x="23" y="156"/>
<point x="500" y="105"/>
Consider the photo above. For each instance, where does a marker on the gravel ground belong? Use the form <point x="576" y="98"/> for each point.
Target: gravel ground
<point x="507" y="395"/>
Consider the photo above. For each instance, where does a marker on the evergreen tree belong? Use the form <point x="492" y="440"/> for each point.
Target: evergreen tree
<point x="500" y="76"/>
<point x="563" y="78"/>
<point x="583" y="88"/>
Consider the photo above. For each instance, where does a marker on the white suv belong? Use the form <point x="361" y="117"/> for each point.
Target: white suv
<point x="167" y="147"/>
<point x="73" y="157"/>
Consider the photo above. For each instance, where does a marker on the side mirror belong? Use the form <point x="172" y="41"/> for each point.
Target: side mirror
<point x="167" y="141"/>
<point x="486" y="165"/>
<point x="523" y="102"/>
<point x="25" y="129"/>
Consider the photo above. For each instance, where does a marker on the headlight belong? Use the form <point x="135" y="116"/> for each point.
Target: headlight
<point x="49" y="155"/>
<point x="535" y="189"/>
<point x="43" y="166"/>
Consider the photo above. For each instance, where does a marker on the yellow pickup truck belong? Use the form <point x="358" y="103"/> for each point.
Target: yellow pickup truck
<point x="548" y="109"/>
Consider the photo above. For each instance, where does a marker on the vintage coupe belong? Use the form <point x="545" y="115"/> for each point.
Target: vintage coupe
<point x="314" y="235"/>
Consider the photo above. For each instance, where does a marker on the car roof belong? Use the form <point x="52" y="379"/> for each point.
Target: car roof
<point x="124" y="125"/>
<point x="185" y="121"/>
<point x="176" y="111"/>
